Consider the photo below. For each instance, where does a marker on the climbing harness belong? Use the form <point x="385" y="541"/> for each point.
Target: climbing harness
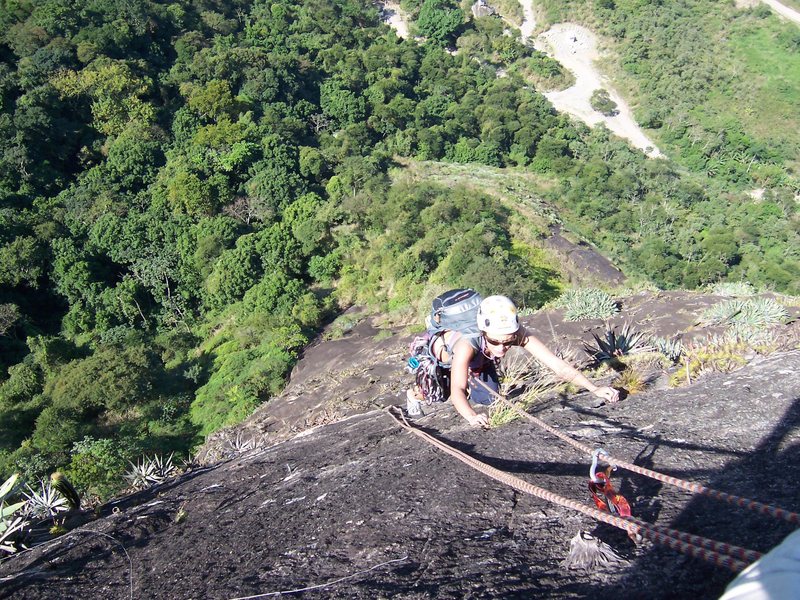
<point x="453" y="311"/>
<point x="722" y="554"/>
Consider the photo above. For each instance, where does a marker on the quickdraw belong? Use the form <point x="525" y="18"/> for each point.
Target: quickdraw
<point x="603" y="493"/>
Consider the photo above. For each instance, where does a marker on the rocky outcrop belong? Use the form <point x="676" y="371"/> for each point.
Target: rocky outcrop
<point x="359" y="508"/>
<point x="481" y="8"/>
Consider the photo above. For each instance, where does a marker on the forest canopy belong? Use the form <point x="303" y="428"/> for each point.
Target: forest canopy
<point x="189" y="189"/>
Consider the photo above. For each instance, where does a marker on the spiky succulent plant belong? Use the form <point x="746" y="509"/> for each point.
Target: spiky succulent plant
<point x="151" y="471"/>
<point x="587" y="303"/>
<point x="46" y="502"/>
<point x="755" y="312"/>
<point x="614" y="345"/>
<point x="672" y="349"/>
<point x="737" y="289"/>
<point x="240" y="444"/>
<point x="11" y="519"/>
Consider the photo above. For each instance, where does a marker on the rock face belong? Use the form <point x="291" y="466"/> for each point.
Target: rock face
<point x="583" y="262"/>
<point x="481" y="8"/>
<point x="360" y="508"/>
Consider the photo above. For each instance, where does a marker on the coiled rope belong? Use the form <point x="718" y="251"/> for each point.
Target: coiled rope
<point x="696" y="488"/>
<point x="718" y="553"/>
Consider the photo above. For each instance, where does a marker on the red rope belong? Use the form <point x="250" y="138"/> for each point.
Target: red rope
<point x="696" y="488"/>
<point x="703" y="548"/>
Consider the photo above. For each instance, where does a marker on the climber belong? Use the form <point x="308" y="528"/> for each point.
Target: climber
<point x="475" y="357"/>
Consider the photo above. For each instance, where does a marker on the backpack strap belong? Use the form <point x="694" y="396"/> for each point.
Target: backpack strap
<point x="474" y="340"/>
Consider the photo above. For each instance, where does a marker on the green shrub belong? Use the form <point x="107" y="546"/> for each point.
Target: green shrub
<point x="250" y="361"/>
<point x="602" y="103"/>
<point x="587" y="303"/>
<point x="97" y="466"/>
<point x="342" y="325"/>
<point x="546" y="72"/>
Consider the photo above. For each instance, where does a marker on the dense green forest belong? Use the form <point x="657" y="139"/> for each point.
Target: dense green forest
<point x="189" y="189"/>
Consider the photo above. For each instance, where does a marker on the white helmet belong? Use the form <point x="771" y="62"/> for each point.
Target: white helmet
<point x="497" y="315"/>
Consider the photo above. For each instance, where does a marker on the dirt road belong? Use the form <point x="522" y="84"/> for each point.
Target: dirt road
<point x="394" y="18"/>
<point x="575" y="47"/>
<point x="783" y="10"/>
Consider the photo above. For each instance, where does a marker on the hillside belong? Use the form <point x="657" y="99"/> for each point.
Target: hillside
<point x="354" y="507"/>
<point x="193" y="192"/>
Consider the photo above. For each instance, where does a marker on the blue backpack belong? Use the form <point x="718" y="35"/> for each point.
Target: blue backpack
<point x="456" y="310"/>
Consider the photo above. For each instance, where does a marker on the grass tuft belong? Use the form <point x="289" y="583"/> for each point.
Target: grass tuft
<point x="632" y="380"/>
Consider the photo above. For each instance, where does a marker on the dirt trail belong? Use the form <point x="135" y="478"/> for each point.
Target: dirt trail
<point x="529" y="22"/>
<point x="393" y="17"/>
<point x="783" y="10"/>
<point x="575" y="47"/>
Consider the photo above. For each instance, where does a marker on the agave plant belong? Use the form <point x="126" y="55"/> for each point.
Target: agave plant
<point x="733" y="288"/>
<point x="151" y="471"/>
<point x="672" y="349"/>
<point x="46" y="502"/>
<point x="240" y="444"/>
<point x="756" y="312"/>
<point x="754" y="337"/>
<point x="613" y="344"/>
<point x="587" y="303"/>
<point x="10" y="524"/>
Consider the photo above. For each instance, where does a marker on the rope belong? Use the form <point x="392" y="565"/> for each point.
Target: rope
<point x="703" y="548"/>
<point x="696" y="488"/>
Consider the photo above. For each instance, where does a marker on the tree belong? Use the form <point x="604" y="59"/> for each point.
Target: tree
<point x="236" y="271"/>
<point x="440" y="20"/>
<point x="341" y="104"/>
<point x="22" y="262"/>
<point x="602" y="103"/>
<point x="117" y="94"/>
<point x="134" y="157"/>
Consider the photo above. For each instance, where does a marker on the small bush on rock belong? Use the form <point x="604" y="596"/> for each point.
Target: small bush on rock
<point x="735" y="289"/>
<point x="631" y="380"/>
<point x="716" y="355"/>
<point x="757" y="312"/>
<point x="587" y="303"/>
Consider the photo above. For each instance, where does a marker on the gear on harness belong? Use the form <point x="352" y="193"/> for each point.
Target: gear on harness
<point x="431" y="380"/>
<point x="603" y="493"/>
<point x="455" y="310"/>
